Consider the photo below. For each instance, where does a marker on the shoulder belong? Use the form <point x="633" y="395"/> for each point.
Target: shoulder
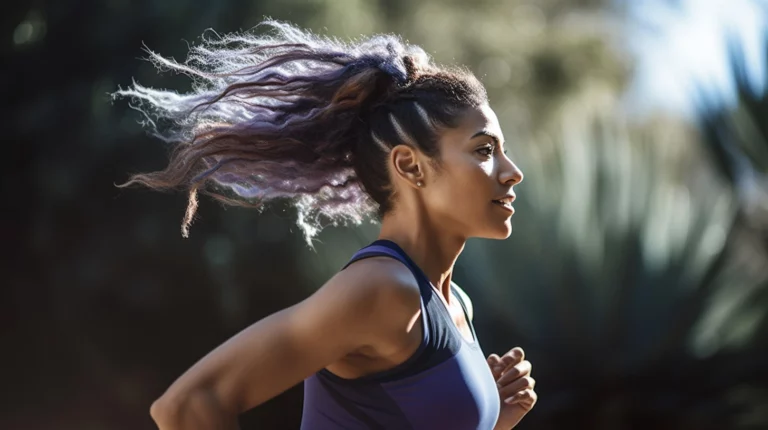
<point x="375" y="295"/>
<point x="464" y="297"/>
<point x="384" y="282"/>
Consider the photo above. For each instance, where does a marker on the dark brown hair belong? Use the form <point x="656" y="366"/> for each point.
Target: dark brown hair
<point x="297" y="116"/>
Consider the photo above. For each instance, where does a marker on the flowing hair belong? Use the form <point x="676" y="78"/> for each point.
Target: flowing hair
<point x="292" y="115"/>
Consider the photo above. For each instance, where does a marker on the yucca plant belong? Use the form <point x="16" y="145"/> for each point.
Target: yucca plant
<point x="737" y="140"/>
<point x="636" y="276"/>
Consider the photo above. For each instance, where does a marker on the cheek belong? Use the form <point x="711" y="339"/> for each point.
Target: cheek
<point x="487" y="168"/>
<point x="465" y="188"/>
<point x="474" y="179"/>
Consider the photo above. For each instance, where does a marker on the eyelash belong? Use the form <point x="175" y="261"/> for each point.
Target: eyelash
<point x="489" y="148"/>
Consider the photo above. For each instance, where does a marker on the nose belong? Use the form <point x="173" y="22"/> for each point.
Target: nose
<point x="510" y="174"/>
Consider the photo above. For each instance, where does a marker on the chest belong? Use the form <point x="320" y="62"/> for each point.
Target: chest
<point x="458" y="318"/>
<point x="458" y="393"/>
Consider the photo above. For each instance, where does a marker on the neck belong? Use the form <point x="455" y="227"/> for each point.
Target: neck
<point x="430" y="247"/>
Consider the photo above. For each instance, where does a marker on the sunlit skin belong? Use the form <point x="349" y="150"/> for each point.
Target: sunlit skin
<point x="438" y="206"/>
<point x="432" y="222"/>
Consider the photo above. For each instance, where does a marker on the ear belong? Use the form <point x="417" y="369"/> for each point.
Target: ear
<point x="408" y="164"/>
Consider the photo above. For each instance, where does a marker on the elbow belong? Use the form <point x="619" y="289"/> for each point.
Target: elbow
<point x="176" y="409"/>
<point x="164" y="411"/>
<point x="170" y="410"/>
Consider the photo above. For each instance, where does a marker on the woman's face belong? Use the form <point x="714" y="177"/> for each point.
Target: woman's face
<point x="470" y="191"/>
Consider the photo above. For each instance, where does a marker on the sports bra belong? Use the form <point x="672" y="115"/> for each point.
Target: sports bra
<point x="445" y="384"/>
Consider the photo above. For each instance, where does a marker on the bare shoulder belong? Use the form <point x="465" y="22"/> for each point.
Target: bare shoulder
<point x="374" y="297"/>
<point x="382" y="286"/>
<point x="383" y="278"/>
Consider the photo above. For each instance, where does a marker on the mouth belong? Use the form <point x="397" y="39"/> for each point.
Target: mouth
<point x="505" y="203"/>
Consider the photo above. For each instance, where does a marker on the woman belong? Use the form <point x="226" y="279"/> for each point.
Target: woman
<point x="343" y="131"/>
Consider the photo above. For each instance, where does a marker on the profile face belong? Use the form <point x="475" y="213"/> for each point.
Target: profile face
<point x="471" y="193"/>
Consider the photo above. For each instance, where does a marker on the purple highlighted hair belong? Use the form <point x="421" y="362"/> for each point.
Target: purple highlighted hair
<point x="297" y="116"/>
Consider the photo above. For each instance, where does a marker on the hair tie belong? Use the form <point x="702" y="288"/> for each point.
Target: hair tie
<point x="392" y="70"/>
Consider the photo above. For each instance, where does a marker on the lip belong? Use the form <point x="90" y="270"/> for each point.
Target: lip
<point x="507" y="196"/>
<point x="507" y="209"/>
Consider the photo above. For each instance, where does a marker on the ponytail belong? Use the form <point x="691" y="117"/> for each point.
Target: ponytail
<point x="290" y="115"/>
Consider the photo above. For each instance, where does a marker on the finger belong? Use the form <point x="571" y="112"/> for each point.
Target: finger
<point x="527" y="397"/>
<point x="514" y="356"/>
<point x="518" y="370"/>
<point x="517" y="386"/>
<point x="526" y="405"/>
<point x="494" y="362"/>
<point x="517" y="352"/>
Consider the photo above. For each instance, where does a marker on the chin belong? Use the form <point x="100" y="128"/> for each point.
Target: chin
<point x="505" y="233"/>
<point x="499" y="231"/>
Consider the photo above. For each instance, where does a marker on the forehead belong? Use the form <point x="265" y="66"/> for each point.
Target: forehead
<point x="473" y="120"/>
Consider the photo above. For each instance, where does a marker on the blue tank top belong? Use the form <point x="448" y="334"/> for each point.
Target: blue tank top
<point x="445" y="384"/>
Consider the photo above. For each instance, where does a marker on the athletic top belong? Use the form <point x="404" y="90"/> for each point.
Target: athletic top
<point x="445" y="384"/>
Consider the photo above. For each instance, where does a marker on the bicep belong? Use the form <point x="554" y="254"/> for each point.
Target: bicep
<point x="333" y="321"/>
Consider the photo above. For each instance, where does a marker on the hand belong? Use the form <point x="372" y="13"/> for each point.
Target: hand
<point x="513" y="377"/>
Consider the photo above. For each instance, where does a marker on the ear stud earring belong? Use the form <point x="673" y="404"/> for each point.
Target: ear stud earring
<point x="419" y="184"/>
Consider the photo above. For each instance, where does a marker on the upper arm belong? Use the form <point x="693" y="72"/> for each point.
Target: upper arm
<point x="465" y="298"/>
<point x="369" y="300"/>
<point x="359" y="305"/>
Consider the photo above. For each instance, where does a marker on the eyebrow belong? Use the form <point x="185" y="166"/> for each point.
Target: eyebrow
<point x="487" y="133"/>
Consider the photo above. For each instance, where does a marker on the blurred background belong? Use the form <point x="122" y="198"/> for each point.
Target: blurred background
<point x="636" y="277"/>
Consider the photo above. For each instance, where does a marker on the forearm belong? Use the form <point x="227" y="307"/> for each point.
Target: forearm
<point x="198" y="410"/>
<point x="507" y="419"/>
<point x="502" y="426"/>
<point x="254" y="366"/>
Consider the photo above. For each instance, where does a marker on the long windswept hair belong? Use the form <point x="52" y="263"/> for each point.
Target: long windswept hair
<point x="294" y="115"/>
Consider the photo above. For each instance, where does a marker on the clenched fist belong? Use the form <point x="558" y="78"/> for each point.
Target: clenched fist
<point x="512" y="373"/>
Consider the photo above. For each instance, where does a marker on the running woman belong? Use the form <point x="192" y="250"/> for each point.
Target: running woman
<point x="346" y="130"/>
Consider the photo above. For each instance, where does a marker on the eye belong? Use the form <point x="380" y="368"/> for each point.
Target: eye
<point x="486" y="151"/>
